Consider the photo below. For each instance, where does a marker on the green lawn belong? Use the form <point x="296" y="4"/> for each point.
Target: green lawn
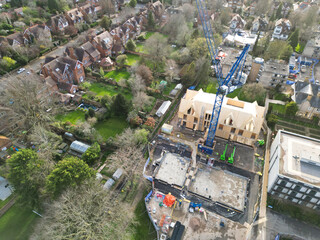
<point x="277" y="108"/>
<point x="117" y="75"/>
<point x="102" y="89"/>
<point x="72" y="117"/>
<point x="17" y="223"/>
<point x="132" y="59"/>
<point x="143" y="228"/>
<point x="168" y="88"/>
<point x="111" y="127"/>
<point x="149" y="34"/>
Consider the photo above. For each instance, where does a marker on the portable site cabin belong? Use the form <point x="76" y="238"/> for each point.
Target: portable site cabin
<point x="167" y="129"/>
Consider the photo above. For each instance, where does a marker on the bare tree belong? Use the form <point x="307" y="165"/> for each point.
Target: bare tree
<point x="125" y="13"/>
<point x="157" y="47"/>
<point x="29" y="99"/>
<point x="188" y="11"/>
<point x="44" y="38"/>
<point x="85" y="212"/>
<point x="141" y="100"/>
<point x="171" y="70"/>
<point x="107" y="6"/>
<point x="146" y="74"/>
<point x="137" y="84"/>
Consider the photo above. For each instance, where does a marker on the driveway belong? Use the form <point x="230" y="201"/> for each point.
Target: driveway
<point x="277" y="223"/>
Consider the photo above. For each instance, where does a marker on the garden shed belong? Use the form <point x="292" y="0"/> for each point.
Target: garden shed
<point x="108" y="184"/>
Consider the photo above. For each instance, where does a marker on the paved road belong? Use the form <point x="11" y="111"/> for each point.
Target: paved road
<point x="277" y="223"/>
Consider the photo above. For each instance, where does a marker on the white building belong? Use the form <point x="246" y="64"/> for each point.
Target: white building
<point x="294" y="169"/>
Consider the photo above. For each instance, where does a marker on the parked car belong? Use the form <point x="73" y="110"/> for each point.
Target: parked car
<point x="303" y="68"/>
<point x="21" y="70"/>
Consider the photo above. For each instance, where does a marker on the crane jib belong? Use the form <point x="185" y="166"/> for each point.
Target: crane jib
<point x="232" y="79"/>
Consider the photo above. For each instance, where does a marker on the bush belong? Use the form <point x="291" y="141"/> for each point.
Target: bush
<point x="94" y="24"/>
<point x="141" y="38"/>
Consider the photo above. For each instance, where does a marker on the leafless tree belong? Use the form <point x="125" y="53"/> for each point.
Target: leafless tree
<point x="141" y="100"/>
<point x="137" y="84"/>
<point x="125" y="13"/>
<point x="85" y="212"/>
<point x="188" y="11"/>
<point x="171" y="70"/>
<point x="44" y="38"/>
<point x="146" y="74"/>
<point x="29" y="99"/>
<point x="262" y="7"/>
<point x="107" y="6"/>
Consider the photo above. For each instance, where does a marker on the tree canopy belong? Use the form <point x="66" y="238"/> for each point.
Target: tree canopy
<point x="291" y="108"/>
<point x="27" y="176"/>
<point x="120" y="106"/>
<point x="70" y="171"/>
<point x="253" y="92"/>
<point x="92" y="154"/>
<point x="105" y="22"/>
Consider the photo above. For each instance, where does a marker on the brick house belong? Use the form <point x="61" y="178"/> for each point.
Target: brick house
<point x="94" y="54"/>
<point x="79" y="54"/>
<point x="59" y="23"/>
<point x="65" y="71"/>
<point x="37" y="31"/>
<point x="74" y="16"/>
<point x="237" y="23"/>
<point x="90" y="10"/>
<point x="16" y="39"/>
<point x="259" y="25"/>
<point x="103" y="43"/>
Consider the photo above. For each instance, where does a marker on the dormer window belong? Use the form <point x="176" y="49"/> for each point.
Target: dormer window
<point x="78" y="66"/>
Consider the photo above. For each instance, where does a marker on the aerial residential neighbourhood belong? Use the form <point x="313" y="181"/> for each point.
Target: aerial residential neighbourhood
<point x="160" y="120"/>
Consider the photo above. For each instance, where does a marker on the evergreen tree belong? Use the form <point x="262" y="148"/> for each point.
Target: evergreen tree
<point x="255" y="46"/>
<point x="131" y="46"/>
<point x="120" y="106"/>
<point x="279" y="10"/>
<point x="53" y="5"/>
<point x="294" y="38"/>
<point x="298" y="48"/>
<point x="151" y="22"/>
<point x="105" y="22"/>
<point x="133" y="3"/>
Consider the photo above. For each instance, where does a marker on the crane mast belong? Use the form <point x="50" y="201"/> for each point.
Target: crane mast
<point x="227" y="84"/>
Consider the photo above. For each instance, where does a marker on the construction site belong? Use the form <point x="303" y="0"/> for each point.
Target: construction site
<point x="196" y="196"/>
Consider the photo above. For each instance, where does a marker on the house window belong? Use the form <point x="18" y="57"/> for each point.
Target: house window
<point x="195" y="120"/>
<point x="189" y="111"/>
<point x="185" y="117"/>
<point x="81" y="79"/>
<point x="220" y="127"/>
<point x="253" y="136"/>
<point x="233" y="130"/>
<point x="78" y="66"/>
<point x="240" y="132"/>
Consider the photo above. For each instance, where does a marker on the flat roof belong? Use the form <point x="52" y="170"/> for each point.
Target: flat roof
<point x="300" y="157"/>
<point x="222" y="186"/>
<point x="173" y="169"/>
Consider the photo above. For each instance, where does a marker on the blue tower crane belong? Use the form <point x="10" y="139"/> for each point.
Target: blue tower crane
<point x="227" y="84"/>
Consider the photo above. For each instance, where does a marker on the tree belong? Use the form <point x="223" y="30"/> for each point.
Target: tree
<point x="187" y="74"/>
<point x="145" y="73"/>
<point x="298" y="48"/>
<point x="71" y="30"/>
<point x="27" y="176"/>
<point x="68" y="172"/>
<point x="133" y="3"/>
<point x="92" y="154"/>
<point x="101" y="72"/>
<point x="253" y="92"/>
<point x="121" y="60"/>
<point x="291" y="108"/>
<point x="150" y="123"/>
<point x="120" y="106"/>
<point x="177" y="29"/>
<point x="131" y="138"/>
<point x="279" y="11"/>
<point x="107" y="6"/>
<point x="137" y="84"/>
<point x="131" y="46"/>
<point x="202" y="70"/>
<point x="294" y="38"/>
<point x="141" y="100"/>
<point x="91" y="112"/>
<point x="157" y="47"/>
<point x="225" y="16"/>
<point x="151" y="22"/>
<point x="53" y="5"/>
<point x="23" y="97"/>
<point x="198" y="48"/>
<point x="278" y="50"/>
<point x="86" y="211"/>
<point x="255" y="46"/>
<point x="272" y="120"/>
<point x="105" y="23"/>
